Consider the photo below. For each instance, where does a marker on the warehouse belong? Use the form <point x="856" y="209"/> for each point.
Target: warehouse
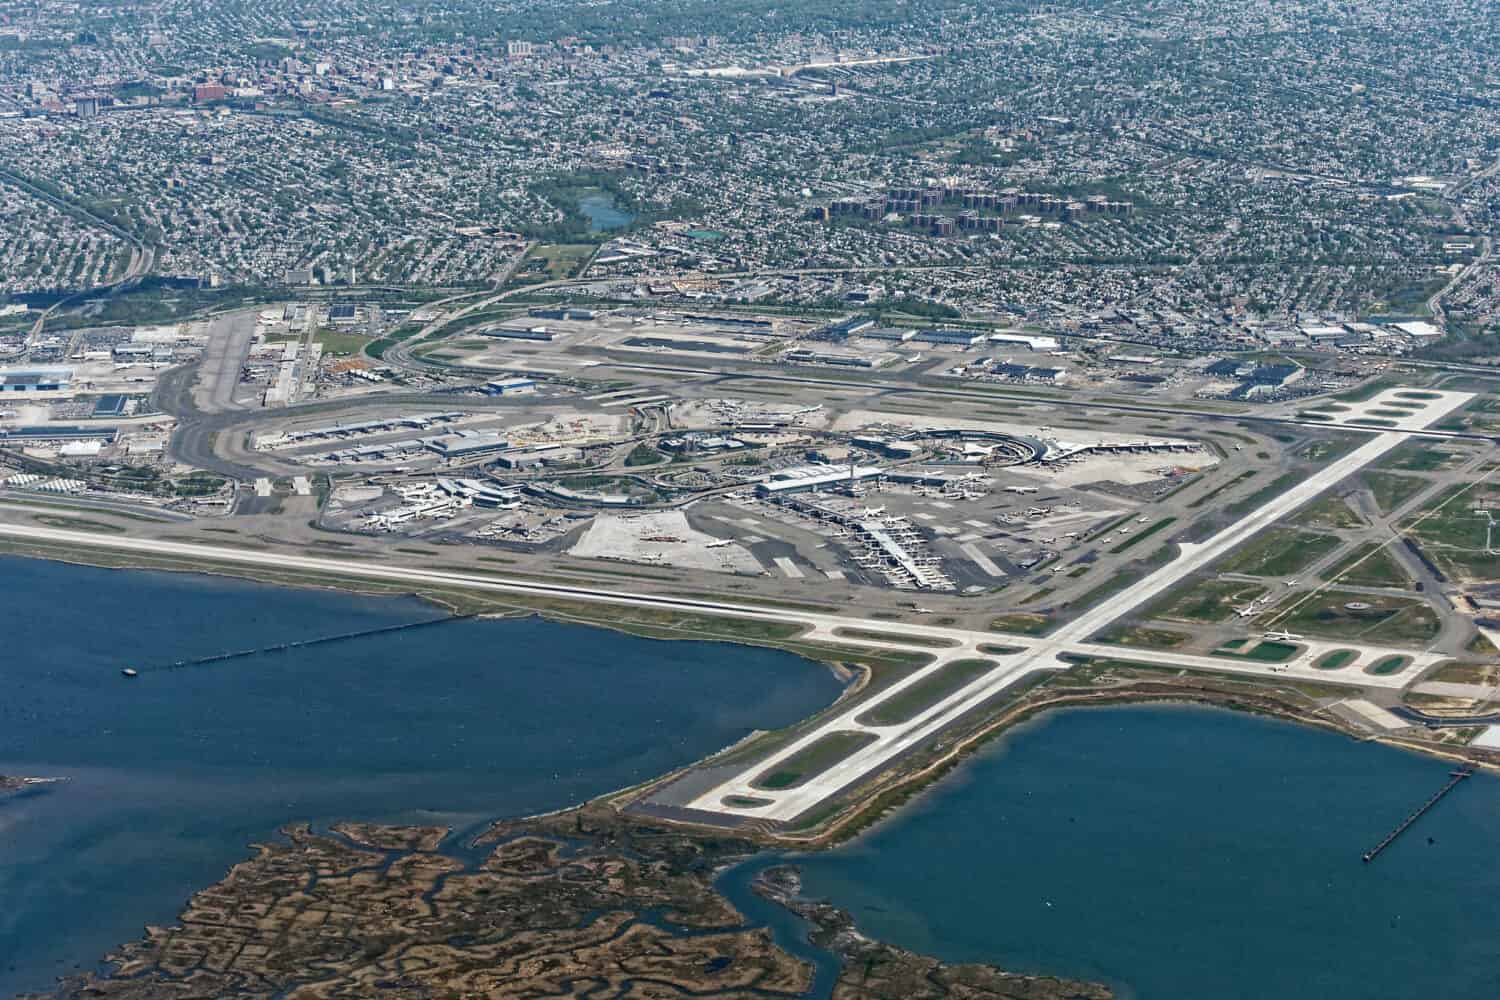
<point x="35" y="379"/>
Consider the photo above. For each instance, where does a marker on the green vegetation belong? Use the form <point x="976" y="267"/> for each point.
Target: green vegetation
<point x="1279" y="552"/>
<point x="1205" y="498"/>
<point x="1205" y="600"/>
<point x="1166" y="522"/>
<point x="338" y="343"/>
<point x="551" y="262"/>
<point x="644" y="454"/>
<point x="1328" y="512"/>
<point x="1388" y="665"/>
<point x="1144" y="636"/>
<point x="1265" y="651"/>
<point x="906" y="640"/>
<point x="814" y="759"/>
<point x="197" y="484"/>
<point x="1420" y="456"/>
<point x="941" y="683"/>
<point x="1337" y="659"/>
<point x="1021" y="623"/>
<point x="1455" y="532"/>
<point x="377" y="349"/>
<point x="77" y="523"/>
<point x="1369" y="565"/>
<point x="1456" y="672"/>
<point x="1342" y="614"/>
<point x="1391" y="490"/>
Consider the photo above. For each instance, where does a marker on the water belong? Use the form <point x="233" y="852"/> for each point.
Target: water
<point x="174" y="773"/>
<point x="604" y="214"/>
<point x="1183" y="852"/>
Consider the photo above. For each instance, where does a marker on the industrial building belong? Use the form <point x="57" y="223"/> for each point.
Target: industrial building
<point x="803" y="478"/>
<point x="35" y="379"/>
<point x="509" y="386"/>
<point x="466" y="444"/>
<point x="538" y="333"/>
<point x="961" y="338"/>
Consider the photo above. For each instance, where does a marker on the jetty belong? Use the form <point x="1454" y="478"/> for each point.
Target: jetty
<point x="282" y="647"/>
<point x="1454" y="777"/>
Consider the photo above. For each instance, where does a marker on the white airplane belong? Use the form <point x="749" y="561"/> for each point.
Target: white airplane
<point x="874" y="511"/>
<point x="720" y="543"/>
<point x="1142" y="520"/>
<point x="1249" y="610"/>
<point x="1023" y="489"/>
<point x="1290" y="583"/>
<point x="923" y="611"/>
<point x="1281" y="635"/>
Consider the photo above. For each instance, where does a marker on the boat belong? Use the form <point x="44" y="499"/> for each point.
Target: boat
<point x="130" y="672"/>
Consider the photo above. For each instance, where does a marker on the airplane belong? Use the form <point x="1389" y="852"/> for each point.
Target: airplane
<point x="1023" y="489"/>
<point x="874" y="511"/>
<point x="1249" y="610"/>
<point x="1281" y="635"/>
<point x="720" y="543"/>
<point x="923" y="611"/>
<point x="1290" y="583"/>
<point x="1142" y="520"/>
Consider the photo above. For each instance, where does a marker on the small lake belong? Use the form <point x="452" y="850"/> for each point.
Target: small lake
<point x="1179" y="852"/>
<point x="603" y="212"/>
<point x="173" y="774"/>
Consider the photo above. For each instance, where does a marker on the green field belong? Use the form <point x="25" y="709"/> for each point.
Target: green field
<point x="1205" y="600"/>
<point x="1388" y="665"/>
<point x="814" y="759"/>
<point x="1265" y="651"/>
<point x="943" y="681"/>
<point x="644" y="454"/>
<point x="1144" y="637"/>
<point x="1141" y="536"/>
<point x="338" y="343"/>
<point x="1329" y="512"/>
<point x="1391" y="490"/>
<point x="551" y="262"/>
<point x="1279" y="552"/>
<point x="1372" y="564"/>
<point x="1336" y="659"/>
<point x="1487" y="674"/>
<point x="1381" y="618"/>
<point x="1021" y="624"/>
<point x="1420" y="456"/>
<point x="1456" y="536"/>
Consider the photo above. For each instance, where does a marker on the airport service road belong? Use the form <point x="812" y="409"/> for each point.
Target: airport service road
<point x="1044" y="655"/>
<point x="1033" y="654"/>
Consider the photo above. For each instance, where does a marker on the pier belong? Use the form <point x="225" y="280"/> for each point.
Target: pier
<point x="283" y="647"/>
<point x="1454" y="777"/>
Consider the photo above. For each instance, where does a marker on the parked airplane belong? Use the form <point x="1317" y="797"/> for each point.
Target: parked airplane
<point x="1282" y="635"/>
<point x="720" y="543"/>
<point x="1023" y="489"/>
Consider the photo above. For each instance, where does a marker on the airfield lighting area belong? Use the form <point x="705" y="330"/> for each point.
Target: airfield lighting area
<point x="969" y="519"/>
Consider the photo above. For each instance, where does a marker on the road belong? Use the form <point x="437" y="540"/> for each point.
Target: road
<point x="1071" y="639"/>
<point x="1044" y="654"/>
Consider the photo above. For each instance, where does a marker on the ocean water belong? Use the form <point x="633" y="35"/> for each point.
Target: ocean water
<point x="1179" y="852"/>
<point x="173" y="774"/>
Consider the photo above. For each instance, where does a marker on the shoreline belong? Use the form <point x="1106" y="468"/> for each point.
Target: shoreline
<point x="876" y="801"/>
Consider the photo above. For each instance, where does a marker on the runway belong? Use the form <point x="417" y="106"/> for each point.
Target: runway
<point x="1034" y="655"/>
